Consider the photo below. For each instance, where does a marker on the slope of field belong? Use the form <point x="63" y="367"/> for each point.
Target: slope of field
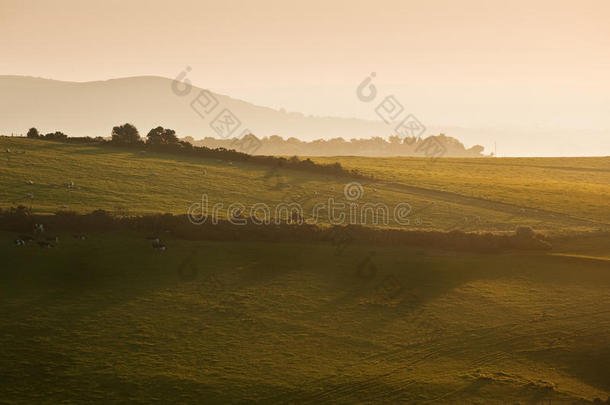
<point x="109" y="320"/>
<point x="500" y="196"/>
<point x="577" y="187"/>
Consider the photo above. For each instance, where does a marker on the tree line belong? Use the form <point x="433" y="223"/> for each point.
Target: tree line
<point x="376" y="146"/>
<point x="165" y="140"/>
<point x="21" y="219"/>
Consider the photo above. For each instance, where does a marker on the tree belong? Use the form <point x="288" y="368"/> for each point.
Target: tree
<point x="169" y="136"/>
<point x="476" y="150"/>
<point x="58" y="136"/>
<point x="161" y="136"/>
<point x="125" y="134"/>
<point x="33" y="133"/>
<point x="155" y="136"/>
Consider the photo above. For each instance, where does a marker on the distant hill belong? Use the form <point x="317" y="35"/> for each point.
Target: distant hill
<point x="93" y="108"/>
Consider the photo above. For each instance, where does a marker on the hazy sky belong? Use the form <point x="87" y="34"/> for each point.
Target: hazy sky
<point x="466" y="63"/>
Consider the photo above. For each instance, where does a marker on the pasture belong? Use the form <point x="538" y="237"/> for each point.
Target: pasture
<point x="551" y="195"/>
<point x="110" y="320"/>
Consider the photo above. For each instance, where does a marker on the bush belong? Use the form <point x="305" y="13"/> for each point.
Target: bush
<point x="525" y="232"/>
<point x="33" y="133"/>
<point x="340" y="236"/>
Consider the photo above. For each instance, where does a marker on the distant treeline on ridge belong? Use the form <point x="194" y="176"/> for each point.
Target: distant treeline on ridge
<point x="165" y="140"/>
<point x="376" y="146"/>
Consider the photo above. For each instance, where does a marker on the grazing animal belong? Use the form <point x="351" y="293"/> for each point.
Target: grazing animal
<point x="53" y="239"/>
<point x="70" y="184"/>
<point x="154" y="239"/>
<point x="26" y="238"/>
<point x="30" y="196"/>
<point x="38" y="228"/>
<point x="45" y="245"/>
<point x="30" y="182"/>
<point x="159" y="246"/>
<point x="19" y="242"/>
<point x="205" y="172"/>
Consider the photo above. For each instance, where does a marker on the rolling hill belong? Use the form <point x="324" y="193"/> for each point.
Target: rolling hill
<point x="444" y="194"/>
<point x="93" y="108"/>
<point x="106" y="318"/>
<point x="110" y="320"/>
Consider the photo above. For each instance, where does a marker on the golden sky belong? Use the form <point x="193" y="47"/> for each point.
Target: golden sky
<point x="464" y="63"/>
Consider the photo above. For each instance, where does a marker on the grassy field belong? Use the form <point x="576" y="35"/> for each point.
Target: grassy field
<point x="551" y="195"/>
<point x="577" y="187"/>
<point x="109" y="320"/>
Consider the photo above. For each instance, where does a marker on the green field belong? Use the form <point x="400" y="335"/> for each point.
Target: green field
<point x="574" y="187"/>
<point x="551" y="195"/>
<point x="110" y="320"/>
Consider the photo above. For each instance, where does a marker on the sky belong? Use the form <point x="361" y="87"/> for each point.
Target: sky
<point x="469" y="63"/>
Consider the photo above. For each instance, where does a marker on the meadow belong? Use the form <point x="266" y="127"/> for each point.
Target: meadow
<point x="550" y="195"/>
<point x="570" y="187"/>
<point x="108" y="319"/>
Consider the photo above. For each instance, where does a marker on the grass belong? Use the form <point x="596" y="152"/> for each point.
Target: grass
<point x="551" y="195"/>
<point x="110" y="320"/>
<point x="578" y="187"/>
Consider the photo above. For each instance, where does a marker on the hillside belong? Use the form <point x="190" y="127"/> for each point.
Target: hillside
<point x="110" y="320"/>
<point x="92" y="108"/>
<point x="578" y="187"/>
<point x="500" y="197"/>
<point x="103" y="317"/>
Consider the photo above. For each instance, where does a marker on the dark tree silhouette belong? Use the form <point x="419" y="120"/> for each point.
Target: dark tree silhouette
<point x="170" y="136"/>
<point x="161" y="136"/>
<point x="155" y="136"/>
<point x="33" y="133"/>
<point x="56" y="136"/>
<point x="125" y="134"/>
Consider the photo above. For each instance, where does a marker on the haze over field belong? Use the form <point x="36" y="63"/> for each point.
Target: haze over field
<point x="271" y="202"/>
<point x="529" y="76"/>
